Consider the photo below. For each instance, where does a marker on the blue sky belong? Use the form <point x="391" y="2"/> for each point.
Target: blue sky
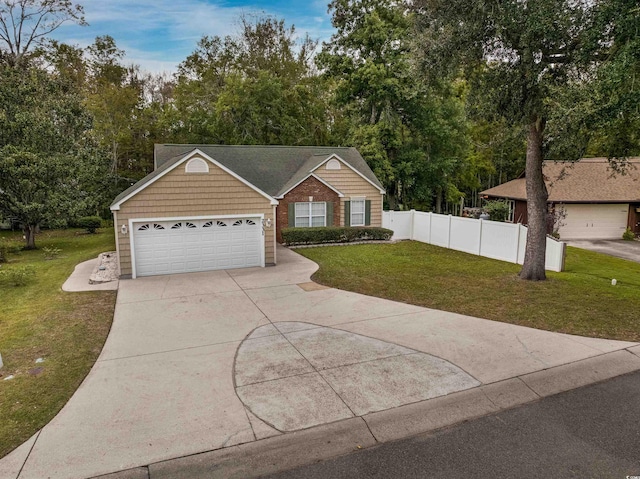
<point x="159" y="34"/>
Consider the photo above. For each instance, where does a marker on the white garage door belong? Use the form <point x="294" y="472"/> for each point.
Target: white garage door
<point x="190" y="245"/>
<point x="599" y="221"/>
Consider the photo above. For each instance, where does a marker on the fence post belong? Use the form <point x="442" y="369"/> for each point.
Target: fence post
<point x="518" y="245"/>
<point x="412" y="224"/>
<point x="480" y="238"/>
<point x="430" y="226"/>
<point x="449" y="234"/>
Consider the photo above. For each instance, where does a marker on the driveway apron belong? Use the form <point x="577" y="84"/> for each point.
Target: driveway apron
<point x="202" y="361"/>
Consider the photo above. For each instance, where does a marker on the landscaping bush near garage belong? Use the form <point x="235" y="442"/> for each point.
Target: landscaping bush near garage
<point x="334" y="234"/>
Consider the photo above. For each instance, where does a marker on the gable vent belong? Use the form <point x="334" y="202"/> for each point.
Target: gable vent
<point x="197" y="165"/>
<point x="333" y="164"/>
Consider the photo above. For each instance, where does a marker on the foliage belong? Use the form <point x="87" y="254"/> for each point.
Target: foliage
<point x="334" y="234"/>
<point x="48" y="161"/>
<point x="34" y="189"/>
<point x="256" y="87"/>
<point x="498" y="210"/>
<point x="19" y="275"/>
<point x="521" y="58"/>
<point x="25" y="25"/>
<point x="51" y="252"/>
<point x="411" y="133"/>
<point x="628" y="235"/>
<point x="7" y="248"/>
<point x="90" y="223"/>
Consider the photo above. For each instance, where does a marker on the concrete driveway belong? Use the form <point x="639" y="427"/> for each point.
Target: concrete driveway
<point x="205" y="361"/>
<point x="629" y="250"/>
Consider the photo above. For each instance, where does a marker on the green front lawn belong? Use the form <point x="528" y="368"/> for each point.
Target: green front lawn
<point x="580" y="300"/>
<point x="39" y="320"/>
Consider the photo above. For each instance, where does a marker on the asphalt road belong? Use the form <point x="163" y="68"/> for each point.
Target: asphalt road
<point x="591" y="432"/>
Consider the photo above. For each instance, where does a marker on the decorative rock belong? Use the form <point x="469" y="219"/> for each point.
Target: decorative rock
<point x="8" y="377"/>
<point x="106" y="270"/>
<point x="39" y="360"/>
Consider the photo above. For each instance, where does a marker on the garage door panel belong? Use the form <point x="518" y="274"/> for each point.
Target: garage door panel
<point x="594" y="221"/>
<point x="197" y="245"/>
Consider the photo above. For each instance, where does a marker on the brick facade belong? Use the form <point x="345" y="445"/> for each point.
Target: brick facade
<point x="301" y="193"/>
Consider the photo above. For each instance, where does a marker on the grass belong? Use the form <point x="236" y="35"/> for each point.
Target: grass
<point x="39" y="320"/>
<point x="579" y="301"/>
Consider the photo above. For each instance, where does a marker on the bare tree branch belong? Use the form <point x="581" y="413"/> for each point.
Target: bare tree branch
<point x="24" y="24"/>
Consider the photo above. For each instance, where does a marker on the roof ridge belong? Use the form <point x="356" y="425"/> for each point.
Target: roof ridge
<point x="211" y="145"/>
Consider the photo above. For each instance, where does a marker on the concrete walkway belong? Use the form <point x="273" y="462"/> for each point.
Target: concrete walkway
<point x="229" y="367"/>
<point x="79" y="279"/>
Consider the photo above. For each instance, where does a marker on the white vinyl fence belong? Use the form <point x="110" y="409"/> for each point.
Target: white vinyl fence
<point x="492" y="239"/>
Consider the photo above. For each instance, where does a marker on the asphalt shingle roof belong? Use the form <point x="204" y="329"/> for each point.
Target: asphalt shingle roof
<point x="590" y="180"/>
<point x="273" y="169"/>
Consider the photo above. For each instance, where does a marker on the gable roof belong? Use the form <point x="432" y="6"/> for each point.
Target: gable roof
<point x="170" y="165"/>
<point x="270" y="169"/>
<point x="589" y="180"/>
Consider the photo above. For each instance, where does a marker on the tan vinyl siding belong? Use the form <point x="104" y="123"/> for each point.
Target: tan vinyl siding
<point x="349" y="183"/>
<point x="180" y="194"/>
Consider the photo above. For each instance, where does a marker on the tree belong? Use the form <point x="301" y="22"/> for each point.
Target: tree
<point x="411" y="133"/>
<point x="257" y="87"/>
<point x="25" y="24"/>
<point x="114" y="97"/>
<point x="46" y="153"/>
<point x="34" y="189"/>
<point x="518" y="54"/>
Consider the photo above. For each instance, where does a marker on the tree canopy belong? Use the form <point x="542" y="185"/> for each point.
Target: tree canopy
<point x="522" y="59"/>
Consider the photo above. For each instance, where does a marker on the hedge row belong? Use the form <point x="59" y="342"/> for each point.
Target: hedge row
<point x="334" y="234"/>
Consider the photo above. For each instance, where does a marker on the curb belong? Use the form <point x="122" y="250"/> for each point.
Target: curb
<point x="299" y="448"/>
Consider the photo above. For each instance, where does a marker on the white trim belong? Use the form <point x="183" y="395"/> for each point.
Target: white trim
<point x="116" y="230"/>
<point x="275" y="241"/>
<point x="182" y="218"/>
<point x="199" y="160"/>
<point x="188" y="156"/>
<point x="333" y="155"/>
<point x="340" y="195"/>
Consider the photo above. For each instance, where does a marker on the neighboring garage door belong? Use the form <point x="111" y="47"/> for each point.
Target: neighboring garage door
<point x="595" y="221"/>
<point x="189" y="245"/>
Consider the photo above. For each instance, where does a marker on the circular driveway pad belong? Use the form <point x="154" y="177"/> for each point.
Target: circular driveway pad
<point x="295" y="375"/>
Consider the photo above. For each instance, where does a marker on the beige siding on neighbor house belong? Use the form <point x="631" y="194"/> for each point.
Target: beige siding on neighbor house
<point x="350" y="184"/>
<point x="180" y="194"/>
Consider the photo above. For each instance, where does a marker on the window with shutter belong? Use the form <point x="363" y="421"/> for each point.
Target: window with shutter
<point x="357" y="212"/>
<point x="310" y="214"/>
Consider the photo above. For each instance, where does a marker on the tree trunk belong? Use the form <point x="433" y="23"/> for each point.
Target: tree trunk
<point x="439" y="200"/>
<point x="534" y="257"/>
<point x="30" y="236"/>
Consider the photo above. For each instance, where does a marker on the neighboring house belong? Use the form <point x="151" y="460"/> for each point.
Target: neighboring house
<point x="599" y="203"/>
<point x="208" y="207"/>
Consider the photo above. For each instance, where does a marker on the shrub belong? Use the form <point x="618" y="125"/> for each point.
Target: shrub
<point x="333" y="234"/>
<point x="20" y="275"/>
<point x="51" y="253"/>
<point x="498" y="210"/>
<point x="90" y="223"/>
<point x="8" y="247"/>
<point x="628" y="235"/>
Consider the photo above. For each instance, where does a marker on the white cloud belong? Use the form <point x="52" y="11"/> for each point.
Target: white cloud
<point x="159" y="34"/>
